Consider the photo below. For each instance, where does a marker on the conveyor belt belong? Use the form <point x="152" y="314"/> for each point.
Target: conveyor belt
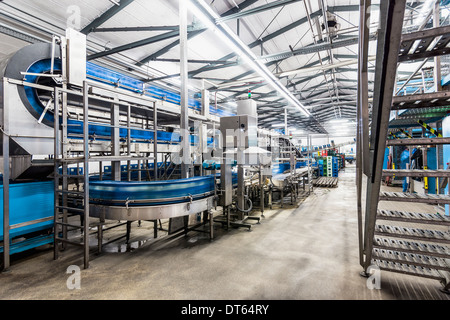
<point x="149" y="193"/>
<point x="35" y="59"/>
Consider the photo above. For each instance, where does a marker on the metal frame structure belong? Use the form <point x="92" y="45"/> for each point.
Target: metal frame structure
<point x="115" y="109"/>
<point x="65" y="153"/>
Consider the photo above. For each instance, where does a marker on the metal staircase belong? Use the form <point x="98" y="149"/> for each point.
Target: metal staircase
<point x="411" y="243"/>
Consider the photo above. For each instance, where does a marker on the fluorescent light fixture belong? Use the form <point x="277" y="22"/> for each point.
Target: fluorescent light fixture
<point x="342" y="131"/>
<point x="200" y="15"/>
<point x="205" y="13"/>
<point x="341" y="125"/>
<point x="338" y="121"/>
<point x="423" y="13"/>
<point x="278" y="125"/>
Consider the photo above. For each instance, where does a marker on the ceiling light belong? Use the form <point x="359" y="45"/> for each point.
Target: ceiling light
<point x="338" y="121"/>
<point x="205" y="13"/>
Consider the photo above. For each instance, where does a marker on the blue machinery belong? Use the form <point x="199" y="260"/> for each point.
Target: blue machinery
<point x="66" y="125"/>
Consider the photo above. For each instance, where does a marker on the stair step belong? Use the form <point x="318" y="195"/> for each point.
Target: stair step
<point x="412" y="233"/>
<point x="404" y="268"/>
<point x="426" y="38"/>
<point x="410" y="259"/>
<point x="414" y="197"/>
<point x="415" y="173"/>
<point x="423" y="100"/>
<point x="431" y="249"/>
<point x="417" y="141"/>
<point x="425" y="218"/>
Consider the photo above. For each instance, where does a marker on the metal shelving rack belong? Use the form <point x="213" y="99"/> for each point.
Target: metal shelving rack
<point x="417" y="251"/>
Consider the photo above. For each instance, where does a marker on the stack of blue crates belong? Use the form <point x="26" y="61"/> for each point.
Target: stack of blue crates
<point x="321" y="168"/>
<point x="335" y="171"/>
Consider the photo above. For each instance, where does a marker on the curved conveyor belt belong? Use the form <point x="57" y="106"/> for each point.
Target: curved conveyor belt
<point x="150" y="200"/>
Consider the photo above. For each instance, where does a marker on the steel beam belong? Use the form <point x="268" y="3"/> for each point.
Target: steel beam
<point x="267" y="38"/>
<point x="19" y="35"/>
<point x="184" y="118"/>
<point x="257" y="10"/>
<point x="314" y="48"/>
<point x="167" y="48"/>
<point x="108" y="14"/>
<point x="136" y="44"/>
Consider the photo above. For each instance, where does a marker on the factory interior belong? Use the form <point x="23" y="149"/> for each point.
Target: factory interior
<point x="225" y="150"/>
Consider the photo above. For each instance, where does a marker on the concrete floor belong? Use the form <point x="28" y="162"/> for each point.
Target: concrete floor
<point x="295" y="253"/>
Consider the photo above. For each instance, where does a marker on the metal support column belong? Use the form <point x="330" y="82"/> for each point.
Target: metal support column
<point x="362" y="155"/>
<point x="261" y="185"/>
<point x="184" y="124"/>
<point x="128" y="143"/>
<point x="86" y="173"/>
<point x="57" y="153"/>
<point x="6" y="238"/>
<point x="437" y="59"/>
<point x="115" y="142"/>
<point x="211" y="224"/>
<point x="155" y="141"/>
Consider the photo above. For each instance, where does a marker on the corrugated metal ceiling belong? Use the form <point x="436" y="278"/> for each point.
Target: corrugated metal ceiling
<point x="326" y="98"/>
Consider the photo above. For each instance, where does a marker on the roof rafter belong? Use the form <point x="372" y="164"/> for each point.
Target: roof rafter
<point x="167" y="48"/>
<point x="108" y="14"/>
